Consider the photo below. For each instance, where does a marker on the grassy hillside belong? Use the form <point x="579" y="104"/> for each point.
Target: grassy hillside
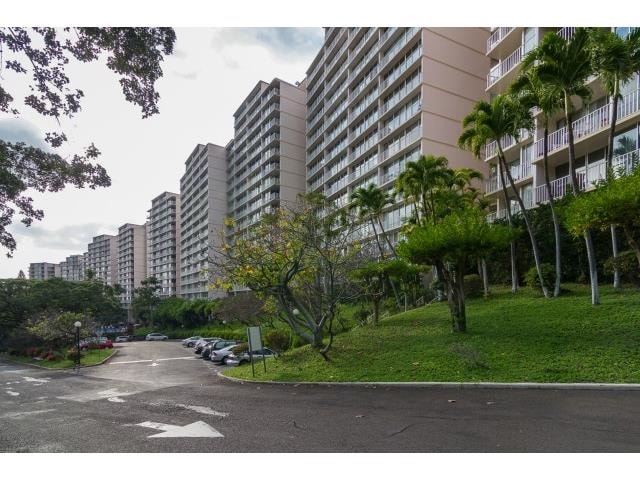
<point x="510" y="338"/>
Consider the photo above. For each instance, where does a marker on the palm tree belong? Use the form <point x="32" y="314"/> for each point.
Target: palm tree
<point x="487" y="122"/>
<point x="615" y="61"/>
<point x="371" y="202"/>
<point x="566" y="65"/>
<point x="532" y="92"/>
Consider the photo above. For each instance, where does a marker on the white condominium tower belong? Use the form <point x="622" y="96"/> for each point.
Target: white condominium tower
<point x="163" y="241"/>
<point x="43" y="270"/>
<point x="506" y="47"/>
<point x="203" y="207"/>
<point x="102" y="258"/>
<point x="132" y="260"/>
<point x="72" y="268"/>
<point x="380" y="97"/>
<point x="265" y="160"/>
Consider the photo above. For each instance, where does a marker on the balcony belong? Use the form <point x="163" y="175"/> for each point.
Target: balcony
<point x="515" y="209"/>
<point x="593" y="122"/>
<point x="506" y="142"/>
<point x="497" y="36"/>
<point x="567" y="32"/>
<point x="519" y="172"/>
<point x="504" y="67"/>
<point x="405" y="65"/>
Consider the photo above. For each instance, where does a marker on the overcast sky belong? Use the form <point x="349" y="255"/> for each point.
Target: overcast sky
<point x="205" y="80"/>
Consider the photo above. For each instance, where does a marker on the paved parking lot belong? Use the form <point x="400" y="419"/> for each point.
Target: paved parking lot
<point x="158" y="397"/>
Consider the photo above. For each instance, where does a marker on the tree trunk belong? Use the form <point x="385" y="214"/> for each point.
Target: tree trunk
<point x="554" y="216"/>
<point x="633" y="243"/>
<point x="612" y="131"/>
<point x="376" y="309"/>
<point x="485" y="277"/>
<point x="512" y="244"/>
<point x="375" y="235"/>
<point x="534" y="243"/>
<point x="593" y="270"/>
<point x="386" y="237"/>
<point x="573" y="180"/>
<point x="456" y="304"/>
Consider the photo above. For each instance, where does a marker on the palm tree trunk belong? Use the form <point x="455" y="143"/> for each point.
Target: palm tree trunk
<point x="612" y="132"/>
<point x="512" y="244"/>
<point x="588" y="237"/>
<point x="386" y="237"/>
<point x="482" y="270"/>
<point x="375" y="235"/>
<point x="534" y="243"/>
<point x="554" y="216"/>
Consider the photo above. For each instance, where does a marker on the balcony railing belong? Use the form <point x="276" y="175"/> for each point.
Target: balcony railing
<point x="504" y="67"/>
<point x="506" y="142"/>
<point x="593" y="122"/>
<point x="567" y="32"/>
<point x="497" y="36"/>
<point x="519" y="172"/>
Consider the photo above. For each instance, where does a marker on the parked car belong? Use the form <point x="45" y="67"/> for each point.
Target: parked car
<point x="104" y="342"/>
<point x="216" y="345"/>
<point x="123" y="338"/>
<point x="238" y="359"/>
<point x="156" y="336"/>
<point x="221" y="354"/>
<point x="202" y="342"/>
<point x="191" y="341"/>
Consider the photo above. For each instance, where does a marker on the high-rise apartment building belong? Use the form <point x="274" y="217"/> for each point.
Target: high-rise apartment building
<point x="506" y="47"/>
<point x="73" y="267"/>
<point x="380" y="97"/>
<point x="43" y="270"/>
<point x="203" y="208"/>
<point x="102" y="258"/>
<point x="163" y="241"/>
<point x="132" y="260"/>
<point x="266" y="158"/>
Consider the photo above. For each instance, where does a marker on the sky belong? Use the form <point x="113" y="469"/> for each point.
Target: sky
<point x="209" y="74"/>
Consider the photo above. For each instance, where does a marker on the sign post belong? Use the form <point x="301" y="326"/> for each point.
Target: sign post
<point x="254" y="336"/>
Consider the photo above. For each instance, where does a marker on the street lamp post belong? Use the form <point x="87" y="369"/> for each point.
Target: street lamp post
<point x="77" y="325"/>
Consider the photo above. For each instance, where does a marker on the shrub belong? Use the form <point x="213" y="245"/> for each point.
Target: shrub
<point x="298" y="342"/>
<point x="548" y="276"/>
<point x="240" y="348"/>
<point x="473" y="286"/>
<point x="71" y="354"/>
<point x="627" y="264"/>
<point x="362" y="315"/>
<point x="278" y="340"/>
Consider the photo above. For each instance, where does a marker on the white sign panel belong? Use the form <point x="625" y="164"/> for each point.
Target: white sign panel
<point x="255" y="338"/>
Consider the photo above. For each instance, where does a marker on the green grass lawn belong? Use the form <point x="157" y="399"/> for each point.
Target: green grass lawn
<point x="91" y="357"/>
<point x="510" y="338"/>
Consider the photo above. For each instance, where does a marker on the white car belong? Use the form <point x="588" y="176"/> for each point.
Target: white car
<point x="234" y="360"/>
<point x="191" y="341"/>
<point x="220" y="355"/>
<point x="156" y="336"/>
<point x="122" y="338"/>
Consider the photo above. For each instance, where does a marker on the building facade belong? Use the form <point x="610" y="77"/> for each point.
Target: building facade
<point x="506" y="47"/>
<point x="73" y="268"/>
<point x="102" y="258"/>
<point x="43" y="270"/>
<point x="266" y="158"/>
<point x="380" y="97"/>
<point x="203" y="208"/>
<point x="132" y="260"/>
<point x="163" y="241"/>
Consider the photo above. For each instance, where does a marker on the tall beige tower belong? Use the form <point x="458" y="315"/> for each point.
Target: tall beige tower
<point x="102" y="258"/>
<point x="132" y="260"/>
<point x="163" y="241"/>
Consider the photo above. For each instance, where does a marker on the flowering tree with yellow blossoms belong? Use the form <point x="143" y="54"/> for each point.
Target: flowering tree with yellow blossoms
<point x="300" y="255"/>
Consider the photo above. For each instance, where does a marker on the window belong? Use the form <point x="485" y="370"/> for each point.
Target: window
<point x="529" y="40"/>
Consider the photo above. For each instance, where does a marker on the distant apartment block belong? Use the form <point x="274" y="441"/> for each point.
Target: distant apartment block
<point x="265" y="159"/>
<point x="102" y="258"/>
<point x="163" y="243"/>
<point x="203" y="207"/>
<point x="132" y="260"/>
<point x="506" y="47"/>
<point x="72" y="268"/>
<point x="43" y="270"/>
<point x="380" y="97"/>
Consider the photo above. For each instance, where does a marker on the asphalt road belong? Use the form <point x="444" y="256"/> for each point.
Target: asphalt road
<point x="163" y="386"/>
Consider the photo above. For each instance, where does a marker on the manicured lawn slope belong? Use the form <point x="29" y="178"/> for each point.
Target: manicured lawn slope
<point x="521" y="338"/>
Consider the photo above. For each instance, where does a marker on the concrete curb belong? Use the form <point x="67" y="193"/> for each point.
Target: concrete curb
<point x="42" y="367"/>
<point x="458" y="385"/>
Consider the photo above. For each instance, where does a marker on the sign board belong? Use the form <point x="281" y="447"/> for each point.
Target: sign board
<point x="255" y="338"/>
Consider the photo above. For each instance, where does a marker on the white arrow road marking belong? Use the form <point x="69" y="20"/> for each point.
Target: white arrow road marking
<point x="24" y="414"/>
<point x="13" y="394"/>
<point x="176" y="358"/>
<point x="195" y="429"/>
<point x="97" y="395"/>
<point x="205" y="410"/>
<point x="37" y="380"/>
<point x="115" y="400"/>
<point x="154" y="364"/>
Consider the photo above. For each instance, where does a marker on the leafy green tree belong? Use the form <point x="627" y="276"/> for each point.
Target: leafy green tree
<point x="533" y="92"/>
<point x="566" y="65"/>
<point x="41" y="54"/>
<point x="458" y="238"/>
<point x="370" y="202"/>
<point x="58" y="330"/>
<point x="616" y="60"/>
<point x="145" y="299"/>
<point x="616" y="201"/>
<point x="300" y="256"/>
<point x="492" y="121"/>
